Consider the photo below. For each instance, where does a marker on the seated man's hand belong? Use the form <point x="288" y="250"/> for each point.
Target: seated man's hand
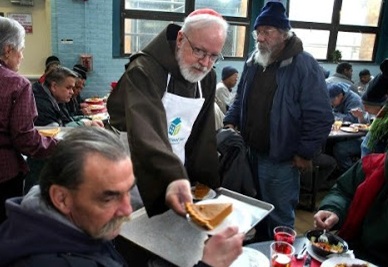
<point x="223" y="248"/>
<point x="86" y="111"/>
<point x="324" y="219"/>
<point x="97" y="123"/>
<point x="178" y="192"/>
<point x="89" y="123"/>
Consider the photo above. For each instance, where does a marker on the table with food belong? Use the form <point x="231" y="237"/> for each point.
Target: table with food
<point x="348" y="130"/>
<point x="178" y="241"/>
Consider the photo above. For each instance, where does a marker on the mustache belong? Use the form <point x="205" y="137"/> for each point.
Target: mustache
<point x="201" y="68"/>
<point x="111" y="226"/>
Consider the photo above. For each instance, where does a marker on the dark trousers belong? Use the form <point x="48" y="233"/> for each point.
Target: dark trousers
<point x="8" y="189"/>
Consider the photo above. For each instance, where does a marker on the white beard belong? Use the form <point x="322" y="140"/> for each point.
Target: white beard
<point x="186" y="70"/>
<point x="263" y="56"/>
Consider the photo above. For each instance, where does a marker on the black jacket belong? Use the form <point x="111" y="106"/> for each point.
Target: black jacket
<point x="234" y="168"/>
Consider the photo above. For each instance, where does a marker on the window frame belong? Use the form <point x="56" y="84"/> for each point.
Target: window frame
<point x="178" y="18"/>
<point x="335" y="27"/>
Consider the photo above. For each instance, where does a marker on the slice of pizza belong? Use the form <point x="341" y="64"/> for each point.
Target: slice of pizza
<point x="210" y="215"/>
<point x="49" y="132"/>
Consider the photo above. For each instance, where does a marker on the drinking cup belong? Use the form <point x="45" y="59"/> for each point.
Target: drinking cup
<point x="281" y="254"/>
<point x="284" y="233"/>
<point x="337" y="125"/>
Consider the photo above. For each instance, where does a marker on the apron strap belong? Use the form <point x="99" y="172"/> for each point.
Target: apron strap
<point x="199" y="85"/>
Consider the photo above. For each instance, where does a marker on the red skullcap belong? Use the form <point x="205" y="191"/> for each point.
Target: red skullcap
<point x="205" y="11"/>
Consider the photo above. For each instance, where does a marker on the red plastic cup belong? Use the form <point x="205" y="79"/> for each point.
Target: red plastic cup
<point x="284" y="233"/>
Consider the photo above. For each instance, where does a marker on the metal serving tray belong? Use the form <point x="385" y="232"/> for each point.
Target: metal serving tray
<point x="174" y="239"/>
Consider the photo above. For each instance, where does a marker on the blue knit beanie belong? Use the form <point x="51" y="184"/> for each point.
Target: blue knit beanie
<point x="228" y="71"/>
<point x="273" y="14"/>
<point x="337" y="88"/>
<point x="81" y="71"/>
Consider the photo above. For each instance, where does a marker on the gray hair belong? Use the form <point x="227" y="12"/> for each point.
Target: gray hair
<point x="65" y="167"/>
<point x="11" y="33"/>
<point x="287" y="33"/>
<point x="58" y="75"/>
<point x="203" y="21"/>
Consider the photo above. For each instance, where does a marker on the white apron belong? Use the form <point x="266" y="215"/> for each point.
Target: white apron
<point x="181" y="113"/>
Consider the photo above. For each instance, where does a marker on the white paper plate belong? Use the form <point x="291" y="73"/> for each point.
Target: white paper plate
<point x="349" y="129"/>
<point x="211" y="194"/>
<point x="251" y="258"/>
<point x="348" y="261"/>
<point x="239" y="217"/>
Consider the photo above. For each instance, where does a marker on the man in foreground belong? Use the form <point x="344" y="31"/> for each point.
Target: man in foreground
<point x="79" y="206"/>
<point x="165" y="102"/>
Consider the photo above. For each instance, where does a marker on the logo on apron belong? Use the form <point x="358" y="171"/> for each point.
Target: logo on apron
<point x="181" y="113"/>
<point x="175" y="126"/>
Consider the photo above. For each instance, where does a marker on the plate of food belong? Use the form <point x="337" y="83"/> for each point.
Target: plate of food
<point x="49" y="132"/>
<point x="334" y="245"/>
<point x="349" y="129"/>
<point x="214" y="215"/>
<point x="202" y="192"/>
<point x="310" y="251"/>
<point x="94" y="100"/>
<point x="360" y="127"/>
<point x="345" y="262"/>
<point x="96" y="107"/>
<point x="251" y="258"/>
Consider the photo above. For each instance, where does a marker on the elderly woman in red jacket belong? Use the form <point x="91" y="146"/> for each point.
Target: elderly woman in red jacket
<point x="17" y="114"/>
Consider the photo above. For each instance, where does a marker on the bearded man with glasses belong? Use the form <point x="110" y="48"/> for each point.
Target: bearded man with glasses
<point x="283" y="111"/>
<point x="165" y="102"/>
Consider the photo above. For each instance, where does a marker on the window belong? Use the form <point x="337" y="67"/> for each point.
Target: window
<point x="345" y="25"/>
<point x="142" y="20"/>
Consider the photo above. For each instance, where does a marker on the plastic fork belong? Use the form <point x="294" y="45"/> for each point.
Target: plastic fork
<point x="323" y="237"/>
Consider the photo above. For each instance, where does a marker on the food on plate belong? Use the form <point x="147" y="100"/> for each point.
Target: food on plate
<point x="335" y="244"/>
<point x="333" y="248"/>
<point x="351" y="265"/>
<point x="94" y="100"/>
<point x="208" y="216"/>
<point x="200" y="191"/>
<point x="360" y="126"/>
<point x="96" y="107"/>
<point x="52" y="132"/>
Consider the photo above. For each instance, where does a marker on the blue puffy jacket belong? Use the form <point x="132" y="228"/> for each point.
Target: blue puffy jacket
<point x="301" y="115"/>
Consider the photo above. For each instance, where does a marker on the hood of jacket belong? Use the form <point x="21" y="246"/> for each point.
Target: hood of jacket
<point x="34" y="228"/>
<point x="293" y="47"/>
<point x="165" y="41"/>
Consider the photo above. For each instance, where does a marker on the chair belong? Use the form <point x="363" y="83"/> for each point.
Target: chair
<point x="309" y="193"/>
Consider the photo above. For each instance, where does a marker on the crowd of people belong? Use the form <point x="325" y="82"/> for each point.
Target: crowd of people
<point x="167" y="102"/>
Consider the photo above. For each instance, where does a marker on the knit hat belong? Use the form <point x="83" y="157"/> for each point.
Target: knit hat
<point x="52" y="60"/>
<point x="81" y="71"/>
<point x="376" y="93"/>
<point x="273" y="14"/>
<point x="227" y="72"/>
<point x="336" y="88"/>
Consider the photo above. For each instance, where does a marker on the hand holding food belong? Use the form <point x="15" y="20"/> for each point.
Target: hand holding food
<point x="177" y="194"/>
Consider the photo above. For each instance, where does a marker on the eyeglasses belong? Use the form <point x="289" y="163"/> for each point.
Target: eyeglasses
<point x="264" y="33"/>
<point x="201" y="54"/>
